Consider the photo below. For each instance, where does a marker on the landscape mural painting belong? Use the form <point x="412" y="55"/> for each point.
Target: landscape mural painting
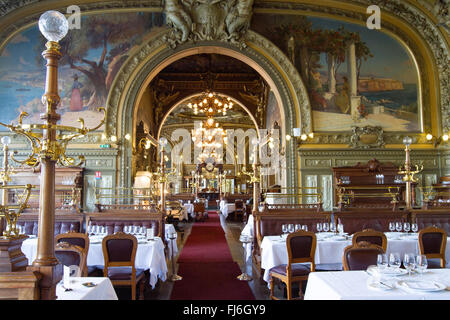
<point x="354" y="76"/>
<point x="92" y="56"/>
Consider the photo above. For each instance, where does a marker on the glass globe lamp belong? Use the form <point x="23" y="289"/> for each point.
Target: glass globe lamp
<point x="407" y="141"/>
<point x="6" y="140"/>
<point x="53" y="25"/>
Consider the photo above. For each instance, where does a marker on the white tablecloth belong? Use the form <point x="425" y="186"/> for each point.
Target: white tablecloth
<point x="189" y="209"/>
<point x="248" y="231"/>
<point x="149" y="256"/>
<point x="227" y="209"/>
<point x="103" y="290"/>
<point x="353" y="285"/>
<point x="171" y="229"/>
<point x="273" y="251"/>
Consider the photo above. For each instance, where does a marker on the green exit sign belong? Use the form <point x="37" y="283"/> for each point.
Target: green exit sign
<point x="106" y="146"/>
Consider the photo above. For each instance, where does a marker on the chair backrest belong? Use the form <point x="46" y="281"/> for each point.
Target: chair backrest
<point x="119" y="249"/>
<point x="301" y="247"/>
<point x="371" y="236"/>
<point x="75" y="238"/>
<point x="239" y="204"/>
<point x="432" y="243"/>
<point x="360" y="256"/>
<point x="69" y="255"/>
<point x="199" y="207"/>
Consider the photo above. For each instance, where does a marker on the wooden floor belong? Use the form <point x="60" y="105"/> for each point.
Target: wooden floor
<point x="162" y="290"/>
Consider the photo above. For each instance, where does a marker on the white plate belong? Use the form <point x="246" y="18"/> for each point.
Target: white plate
<point x="380" y="286"/>
<point x="421" y="286"/>
<point x="390" y="272"/>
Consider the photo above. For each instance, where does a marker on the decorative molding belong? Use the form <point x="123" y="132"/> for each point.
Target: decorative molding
<point x="220" y="20"/>
<point x="367" y="137"/>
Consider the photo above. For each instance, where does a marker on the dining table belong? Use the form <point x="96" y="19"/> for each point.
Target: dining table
<point x="227" y="208"/>
<point x="330" y="248"/>
<point x="86" y="288"/>
<point x="434" y="284"/>
<point x="149" y="255"/>
<point x="188" y="210"/>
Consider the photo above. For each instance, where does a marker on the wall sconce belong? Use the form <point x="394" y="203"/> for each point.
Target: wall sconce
<point x="437" y="140"/>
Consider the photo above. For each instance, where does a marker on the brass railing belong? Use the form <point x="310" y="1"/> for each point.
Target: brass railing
<point x="346" y="194"/>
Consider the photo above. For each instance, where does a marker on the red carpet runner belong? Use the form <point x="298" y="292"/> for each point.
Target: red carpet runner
<point x="207" y="268"/>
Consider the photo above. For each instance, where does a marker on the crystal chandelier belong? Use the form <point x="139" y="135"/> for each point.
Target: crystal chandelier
<point x="209" y="137"/>
<point x="210" y="103"/>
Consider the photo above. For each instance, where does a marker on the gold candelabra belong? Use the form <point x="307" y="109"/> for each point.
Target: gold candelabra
<point x="408" y="173"/>
<point x="12" y="212"/>
<point x="253" y="175"/>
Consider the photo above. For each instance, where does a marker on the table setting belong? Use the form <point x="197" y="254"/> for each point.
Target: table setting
<point x="149" y="254"/>
<point x="331" y="242"/>
<point x="85" y="288"/>
<point x="384" y="281"/>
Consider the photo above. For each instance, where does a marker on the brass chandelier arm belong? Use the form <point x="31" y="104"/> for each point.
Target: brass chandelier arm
<point x="55" y="150"/>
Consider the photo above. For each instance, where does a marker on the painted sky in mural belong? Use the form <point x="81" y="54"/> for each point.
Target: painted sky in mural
<point x="386" y="91"/>
<point x="92" y="56"/>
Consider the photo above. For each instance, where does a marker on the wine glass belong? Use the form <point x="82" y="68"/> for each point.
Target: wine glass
<point x="326" y="227"/>
<point x="319" y="227"/>
<point x="382" y="261"/>
<point x="126" y="229"/>
<point x="298" y="227"/>
<point x="291" y="228"/>
<point x="340" y="228"/>
<point x="332" y="227"/>
<point x="421" y="263"/>
<point x="284" y="228"/>
<point x="304" y="227"/>
<point x="398" y="226"/>
<point x="394" y="260"/>
<point x="406" y="227"/>
<point x="414" y="227"/>
<point x="409" y="261"/>
<point x="391" y="226"/>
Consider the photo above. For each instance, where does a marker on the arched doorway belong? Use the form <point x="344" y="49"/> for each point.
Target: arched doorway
<point x="260" y="54"/>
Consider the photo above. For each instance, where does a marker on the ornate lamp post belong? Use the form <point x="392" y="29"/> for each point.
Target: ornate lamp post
<point x="49" y="142"/>
<point x="408" y="173"/>
<point x="254" y="176"/>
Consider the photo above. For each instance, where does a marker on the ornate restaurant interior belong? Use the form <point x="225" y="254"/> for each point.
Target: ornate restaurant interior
<point x="225" y="150"/>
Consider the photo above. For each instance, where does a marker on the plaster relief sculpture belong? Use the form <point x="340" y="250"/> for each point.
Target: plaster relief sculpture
<point x="200" y="20"/>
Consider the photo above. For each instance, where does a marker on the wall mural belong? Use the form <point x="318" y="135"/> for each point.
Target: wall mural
<point x="92" y="56"/>
<point x="354" y="76"/>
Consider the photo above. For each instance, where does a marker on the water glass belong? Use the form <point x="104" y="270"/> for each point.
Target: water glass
<point x="126" y="229"/>
<point x="398" y="226"/>
<point x="284" y="228"/>
<point x="391" y="226"/>
<point x="304" y="227"/>
<point x="326" y="227"/>
<point x="332" y="227"/>
<point x="394" y="260"/>
<point x="298" y="227"/>
<point x="409" y="262"/>
<point x="406" y="227"/>
<point x="421" y="263"/>
<point x="414" y="227"/>
<point x="382" y="261"/>
<point x="291" y="228"/>
<point x="340" y="228"/>
<point x="319" y="227"/>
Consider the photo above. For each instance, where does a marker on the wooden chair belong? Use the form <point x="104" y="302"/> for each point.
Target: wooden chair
<point x="239" y="209"/>
<point x="119" y="253"/>
<point x="70" y="255"/>
<point x="301" y="247"/>
<point x="432" y="243"/>
<point x="371" y="236"/>
<point x="79" y="239"/>
<point x="199" y="211"/>
<point x="360" y="255"/>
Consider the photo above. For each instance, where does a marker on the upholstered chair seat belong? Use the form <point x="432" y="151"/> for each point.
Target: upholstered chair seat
<point x="301" y="248"/>
<point x="296" y="270"/>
